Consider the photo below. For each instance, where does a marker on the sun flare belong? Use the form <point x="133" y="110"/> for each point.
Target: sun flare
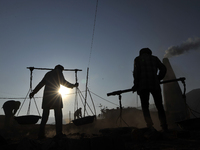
<point x="64" y="91"/>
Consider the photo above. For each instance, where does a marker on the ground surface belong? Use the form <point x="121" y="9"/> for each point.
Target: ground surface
<point x="91" y="137"/>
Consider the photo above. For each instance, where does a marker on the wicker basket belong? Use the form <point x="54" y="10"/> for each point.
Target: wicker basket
<point x="84" y="120"/>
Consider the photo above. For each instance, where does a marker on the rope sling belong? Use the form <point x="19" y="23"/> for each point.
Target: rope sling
<point x="28" y="119"/>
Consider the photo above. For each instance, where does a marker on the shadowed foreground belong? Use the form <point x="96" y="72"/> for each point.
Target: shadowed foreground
<point x="92" y="137"/>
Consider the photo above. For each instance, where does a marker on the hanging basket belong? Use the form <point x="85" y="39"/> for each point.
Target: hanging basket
<point x="190" y="124"/>
<point x="28" y="119"/>
<point x="84" y="120"/>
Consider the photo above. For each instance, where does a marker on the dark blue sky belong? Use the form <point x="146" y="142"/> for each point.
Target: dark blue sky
<point x="44" y="33"/>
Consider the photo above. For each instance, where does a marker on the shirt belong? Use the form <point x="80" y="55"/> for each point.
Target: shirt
<point x="148" y="71"/>
<point x="52" y="99"/>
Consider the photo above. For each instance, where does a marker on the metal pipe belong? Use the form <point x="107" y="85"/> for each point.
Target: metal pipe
<point x="182" y="79"/>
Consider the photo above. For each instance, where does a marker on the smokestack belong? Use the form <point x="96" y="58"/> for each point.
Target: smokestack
<point x="189" y="44"/>
<point x="175" y="106"/>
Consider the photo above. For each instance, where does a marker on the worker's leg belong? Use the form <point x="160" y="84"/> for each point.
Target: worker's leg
<point x="58" y="119"/>
<point x="161" y="112"/>
<point x="45" y="116"/>
<point x="144" y="97"/>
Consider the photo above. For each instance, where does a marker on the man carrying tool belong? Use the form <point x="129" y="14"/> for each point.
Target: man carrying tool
<point x="146" y="81"/>
<point x="10" y="108"/>
<point x="52" y="99"/>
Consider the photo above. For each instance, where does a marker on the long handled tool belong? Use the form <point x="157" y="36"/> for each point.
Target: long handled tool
<point x="182" y="79"/>
<point x="119" y="92"/>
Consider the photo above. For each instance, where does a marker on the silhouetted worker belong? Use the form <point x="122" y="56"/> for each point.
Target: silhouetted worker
<point x="146" y="81"/>
<point x="52" y="99"/>
<point x="10" y="108"/>
<point x="78" y="113"/>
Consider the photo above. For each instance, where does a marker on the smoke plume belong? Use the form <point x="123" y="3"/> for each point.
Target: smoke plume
<point x="189" y="44"/>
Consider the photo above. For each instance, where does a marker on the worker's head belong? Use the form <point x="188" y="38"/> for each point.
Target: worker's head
<point x="59" y="67"/>
<point x="145" y="51"/>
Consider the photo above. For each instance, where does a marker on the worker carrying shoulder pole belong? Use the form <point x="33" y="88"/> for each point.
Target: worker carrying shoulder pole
<point x="52" y="99"/>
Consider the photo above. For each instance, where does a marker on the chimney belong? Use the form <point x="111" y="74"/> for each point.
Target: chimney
<point x="175" y="106"/>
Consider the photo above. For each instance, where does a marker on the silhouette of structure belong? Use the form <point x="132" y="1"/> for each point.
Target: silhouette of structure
<point x="10" y="108"/>
<point x="175" y="105"/>
<point x="193" y="101"/>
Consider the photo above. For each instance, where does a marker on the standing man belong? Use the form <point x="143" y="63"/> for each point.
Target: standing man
<point x="52" y="99"/>
<point x="10" y="108"/>
<point x="146" y="81"/>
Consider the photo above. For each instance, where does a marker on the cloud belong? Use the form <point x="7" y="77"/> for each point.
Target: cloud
<point x="189" y="44"/>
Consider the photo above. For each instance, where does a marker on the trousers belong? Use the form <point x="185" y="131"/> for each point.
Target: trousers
<point x="58" y="120"/>
<point x="144" y="97"/>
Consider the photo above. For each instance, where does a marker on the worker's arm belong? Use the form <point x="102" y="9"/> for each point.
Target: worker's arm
<point x="37" y="88"/>
<point x="66" y="83"/>
<point x="14" y="111"/>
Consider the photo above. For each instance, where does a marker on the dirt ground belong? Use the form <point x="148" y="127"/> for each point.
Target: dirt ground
<point x="95" y="137"/>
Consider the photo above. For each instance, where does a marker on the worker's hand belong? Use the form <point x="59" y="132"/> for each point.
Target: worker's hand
<point x="76" y="84"/>
<point x="31" y="95"/>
